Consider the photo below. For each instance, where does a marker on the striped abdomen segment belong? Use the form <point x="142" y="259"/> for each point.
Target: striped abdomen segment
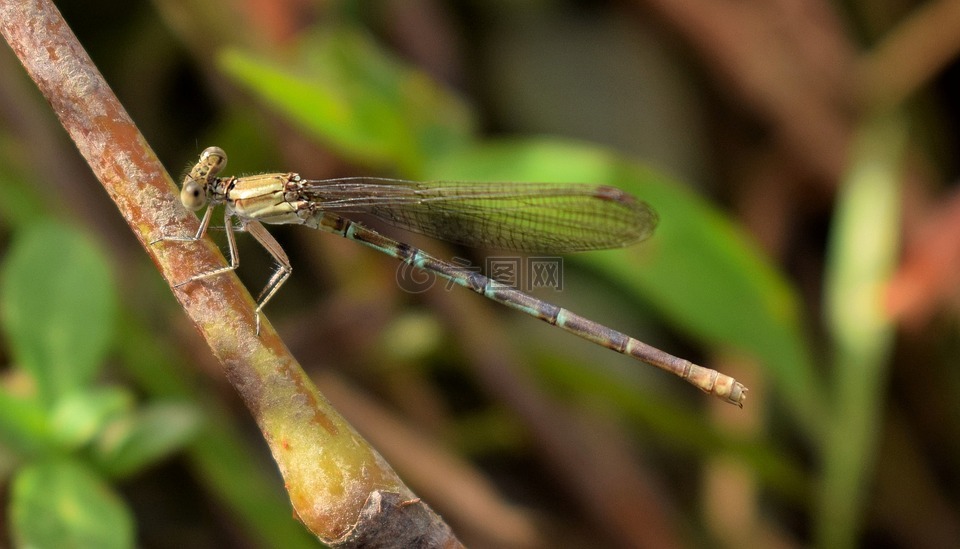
<point x="708" y="380"/>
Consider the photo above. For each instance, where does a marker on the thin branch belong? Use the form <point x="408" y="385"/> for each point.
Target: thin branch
<point x="910" y="55"/>
<point x="796" y="82"/>
<point x="341" y="489"/>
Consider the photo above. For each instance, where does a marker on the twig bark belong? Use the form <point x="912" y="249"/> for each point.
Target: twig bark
<point x="341" y="489"/>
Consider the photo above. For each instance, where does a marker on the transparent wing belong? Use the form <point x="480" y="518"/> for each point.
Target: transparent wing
<point x="528" y="217"/>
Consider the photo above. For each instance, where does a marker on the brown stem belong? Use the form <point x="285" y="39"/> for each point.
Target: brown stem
<point x="787" y="60"/>
<point x="341" y="489"/>
<point x="910" y="55"/>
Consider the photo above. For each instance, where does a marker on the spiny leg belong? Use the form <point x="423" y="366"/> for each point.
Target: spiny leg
<point x="231" y="245"/>
<point x="279" y="276"/>
<point x="265" y="239"/>
<point x="204" y="226"/>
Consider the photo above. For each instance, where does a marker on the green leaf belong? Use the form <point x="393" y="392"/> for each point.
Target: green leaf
<point x="863" y="252"/>
<point x="368" y="106"/>
<point x="698" y="269"/>
<point x="58" y="307"/>
<point x="136" y="441"/>
<point x="24" y="428"/>
<point x="20" y="202"/>
<point x="62" y="504"/>
<point x="78" y="417"/>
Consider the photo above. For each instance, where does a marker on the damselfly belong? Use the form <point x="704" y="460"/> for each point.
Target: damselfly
<point x="525" y="217"/>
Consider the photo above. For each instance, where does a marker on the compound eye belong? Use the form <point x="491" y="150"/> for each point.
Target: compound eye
<point x="193" y="195"/>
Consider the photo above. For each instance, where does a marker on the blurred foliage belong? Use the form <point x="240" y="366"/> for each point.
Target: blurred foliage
<point x="59" y="312"/>
<point x="363" y="104"/>
<point x="62" y="504"/>
<point x="58" y="319"/>
<point x="435" y="90"/>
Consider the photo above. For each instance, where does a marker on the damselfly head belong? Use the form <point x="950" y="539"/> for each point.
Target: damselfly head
<point x="193" y="194"/>
<point x="195" y="184"/>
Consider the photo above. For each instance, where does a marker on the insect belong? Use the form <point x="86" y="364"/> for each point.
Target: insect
<point x="524" y="217"/>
